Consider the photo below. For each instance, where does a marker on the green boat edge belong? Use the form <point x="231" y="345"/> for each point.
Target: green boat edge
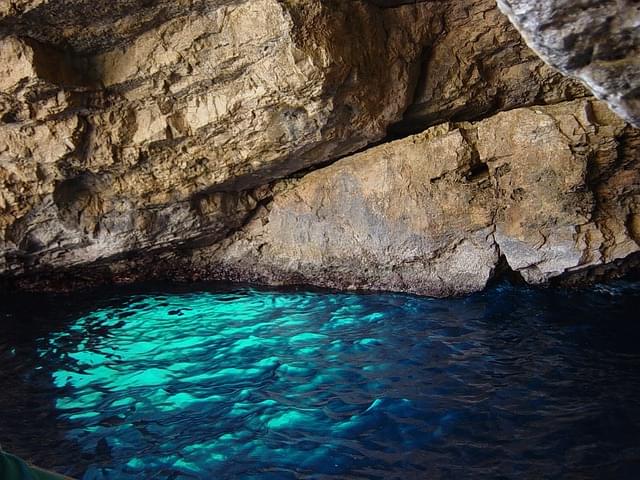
<point x="14" y="468"/>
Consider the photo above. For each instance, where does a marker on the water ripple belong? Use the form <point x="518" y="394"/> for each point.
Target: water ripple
<point x="246" y="383"/>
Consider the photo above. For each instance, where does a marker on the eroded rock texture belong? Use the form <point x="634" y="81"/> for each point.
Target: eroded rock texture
<point x="174" y="139"/>
<point x="133" y="147"/>
<point x="596" y="41"/>
<point x="480" y="65"/>
<point x="552" y="189"/>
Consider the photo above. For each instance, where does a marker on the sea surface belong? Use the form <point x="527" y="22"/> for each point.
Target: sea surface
<point x="213" y="381"/>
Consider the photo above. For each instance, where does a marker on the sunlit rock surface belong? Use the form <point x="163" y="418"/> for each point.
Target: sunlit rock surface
<point x="128" y="148"/>
<point x="552" y="189"/>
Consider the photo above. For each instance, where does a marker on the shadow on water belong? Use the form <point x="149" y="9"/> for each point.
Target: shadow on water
<point x="29" y="425"/>
<point x="227" y="381"/>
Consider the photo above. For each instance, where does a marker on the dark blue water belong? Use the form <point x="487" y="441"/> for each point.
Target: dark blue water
<point x="236" y="382"/>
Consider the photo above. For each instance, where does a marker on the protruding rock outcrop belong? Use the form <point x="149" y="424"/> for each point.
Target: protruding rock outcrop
<point x="552" y="189"/>
<point x="595" y="41"/>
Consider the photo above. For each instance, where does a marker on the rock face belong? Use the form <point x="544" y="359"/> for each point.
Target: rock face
<point x="595" y="41"/>
<point x="130" y="148"/>
<point x="479" y="65"/>
<point x="552" y="189"/>
<point x="187" y="131"/>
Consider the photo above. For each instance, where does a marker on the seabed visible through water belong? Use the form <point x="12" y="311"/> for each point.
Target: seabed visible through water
<point x="212" y="381"/>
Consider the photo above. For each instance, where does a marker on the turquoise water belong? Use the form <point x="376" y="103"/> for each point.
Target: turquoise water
<point x="236" y="382"/>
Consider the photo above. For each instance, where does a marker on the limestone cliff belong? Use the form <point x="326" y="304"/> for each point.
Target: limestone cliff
<point x="197" y="139"/>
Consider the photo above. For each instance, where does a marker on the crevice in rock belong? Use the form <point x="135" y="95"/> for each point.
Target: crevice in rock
<point x="298" y="174"/>
<point x="9" y="117"/>
<point x="478" y="172"/>
<point x="402" y="129"/>
<point x="386" y="4"/>
<point x="503" y="272"/>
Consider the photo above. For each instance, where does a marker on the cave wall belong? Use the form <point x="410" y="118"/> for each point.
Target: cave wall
<point x="410" y="146"/>
<point x="595" y="41"/>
